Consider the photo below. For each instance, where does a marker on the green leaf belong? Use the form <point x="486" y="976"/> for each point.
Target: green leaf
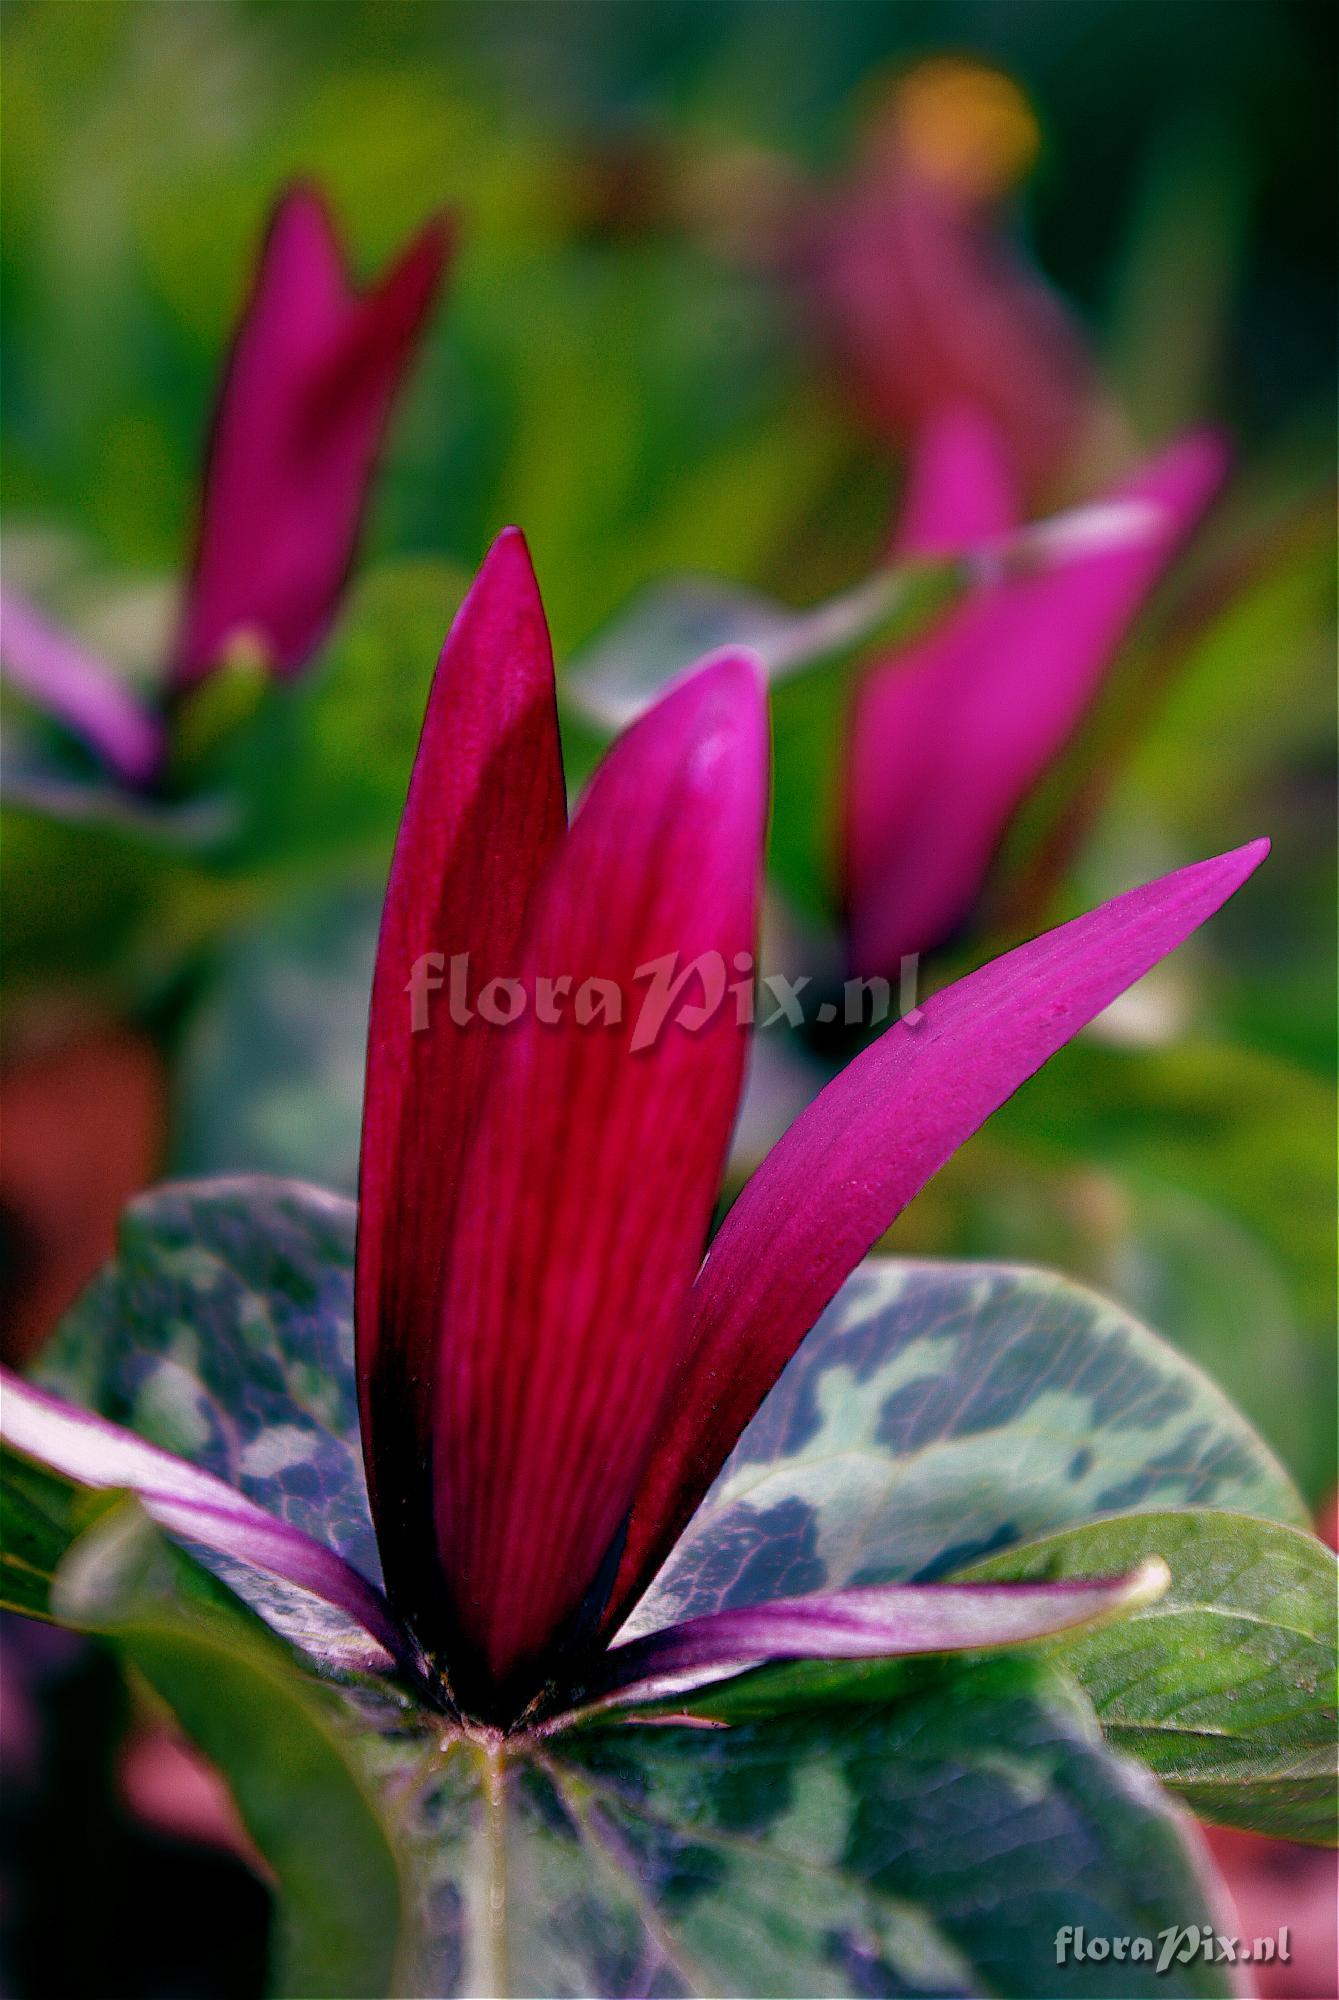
<point x="939" y="1412"/>
<point x="930" y="1844"/>
<point x="223" y="1332"/>
<point x="269" y="1073"/>
<point x="1226" y="1687"/>
<point x="280" y="1743"/>
<point x="320" y="766"/>
<point x="1243" y="1131"/>
<point x="936" y="1413"/>
<point x="78" y="884"/>
<point x="41" y="1513"/>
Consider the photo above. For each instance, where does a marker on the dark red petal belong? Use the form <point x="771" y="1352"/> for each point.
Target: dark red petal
<point x="588" y="1193"/>
<point x="484" y="814"/>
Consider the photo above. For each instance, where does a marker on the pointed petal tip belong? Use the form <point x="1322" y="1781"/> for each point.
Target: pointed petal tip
<point x="733" y="678"/>
<point x="415" y="275"/>
<point x="960" y="486"/>
<point x="505" y="581"/>
<point x="509" y="542"/>
<point x="1236" y="864"/>
<point x="720" y="711"/>
<point x="1256" y="849"/>
<point x="437" y="238"/>
<point x="303" y="191"/>
<point x="715" y="711"/>
<point x="303" y="203"/>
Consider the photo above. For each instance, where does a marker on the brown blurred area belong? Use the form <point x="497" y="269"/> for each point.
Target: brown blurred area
<point x="82" y="1127"/>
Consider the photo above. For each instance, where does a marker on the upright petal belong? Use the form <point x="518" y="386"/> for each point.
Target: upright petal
<point x="81" y="691"/>
<point x="948" y="738"/>
<point x="304" y="405"/>
<point x="870" y="1141"/>
<point x="588" y="1192"/>
<point x="484" y="813"/>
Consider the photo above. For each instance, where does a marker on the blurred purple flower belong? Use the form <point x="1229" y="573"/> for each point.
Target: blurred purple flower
<point x="306" y="397"/>
<point x="302" y="413"/>
<point x="918" y="290"/>
<point x="949" y="735"/>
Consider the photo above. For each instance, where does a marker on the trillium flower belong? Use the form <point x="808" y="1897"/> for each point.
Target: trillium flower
<point x="313" y="375"/>
<point x="949" y="735"/>
<point x="302" y="412"/>
<point x="550" y="1372"/>
<point x="918" y="289"/>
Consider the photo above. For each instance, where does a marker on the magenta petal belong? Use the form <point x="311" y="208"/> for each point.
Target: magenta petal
<point x="188" y="1502"/>
<point x="949" y="736"/>
<point x="960" y="491"/>
<point x="925" y="302"/>
<point x="306" y="399"/>
<point x="484" y="814"/>
<point x="879" y="1622"/>
<point x="81" y="691"/>
<point x="870" y="1141"/>
<point x="587" y="1196"/>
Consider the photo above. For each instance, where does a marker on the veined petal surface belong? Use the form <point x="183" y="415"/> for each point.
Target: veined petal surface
<point x="484" y="814"/>
<point x="587" y="1195"/>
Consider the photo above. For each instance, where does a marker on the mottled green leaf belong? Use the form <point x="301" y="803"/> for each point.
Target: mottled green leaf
<point x="1226" y="1687"/>
<point x="223" y="1332"/>
<point x="1215" y="1287"/>
<point x="1244" y="1131"/>
<point x="822" y="1846"/>
<point x="938" y="1412"/>
<point x="933" y="1843"/>
<point x="282" y="1745"/>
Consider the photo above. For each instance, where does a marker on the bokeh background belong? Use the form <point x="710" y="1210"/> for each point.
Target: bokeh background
<point x="631" y="361"/>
